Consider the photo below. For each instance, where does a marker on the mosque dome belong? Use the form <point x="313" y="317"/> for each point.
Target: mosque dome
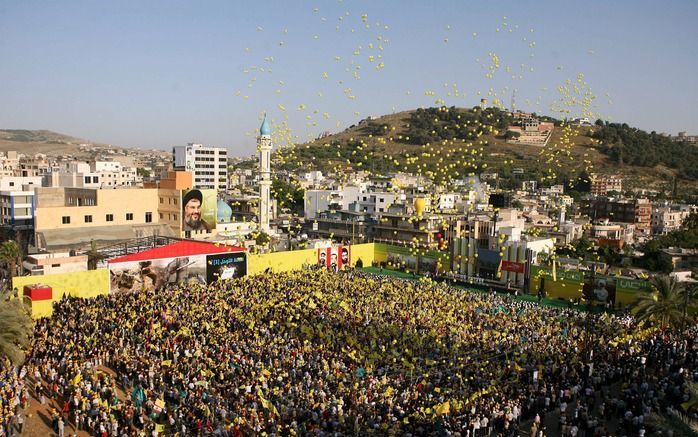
<point x="224" y="213"/>
<point x="265" y="129"/>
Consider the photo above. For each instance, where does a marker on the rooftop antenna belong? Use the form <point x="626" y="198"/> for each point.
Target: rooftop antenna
<point x="513" y="101"/>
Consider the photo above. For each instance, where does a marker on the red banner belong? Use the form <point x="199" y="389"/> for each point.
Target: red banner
<point x="511" y="266"/>
<point x="334" y="258"/>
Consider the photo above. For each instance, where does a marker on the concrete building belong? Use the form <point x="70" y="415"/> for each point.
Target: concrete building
<point x="9" y="163"/>
<point x="348" y="226"/>
<point x="317" y="201"/>
<point x="55" y="262"/>
<point x="72" y="217"/>
<point x="615" y="235"/>
<point x="530" y="131"/>
<point x="681" y="259"/>
<point x="38" y="165"/>
<point x="683" y="136"/>
<point x="637" y="211"/>
<point x="668" y="218"/>
<point x="17" y="203"/>
<point x="209" y="165"/>
<point x="97" y="174"/>
<point x="427" y="230"/>
<point x="602" y="185"/>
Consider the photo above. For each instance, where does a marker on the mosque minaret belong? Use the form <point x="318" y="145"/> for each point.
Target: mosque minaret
<point x="264" y="148"/>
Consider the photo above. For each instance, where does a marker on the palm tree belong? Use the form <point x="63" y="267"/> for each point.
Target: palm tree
<point x="16" y="325"/>
<point x="679" y="423"/>
<point x="666" y="304"/>
<point x="94" y="256"/>
<point x="10" y="254"/>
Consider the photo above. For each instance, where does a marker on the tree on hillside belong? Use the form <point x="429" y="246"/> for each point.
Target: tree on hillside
<point x="16" y="326"/>
<point x="11" y="256"/>
<point x="666" y="304"/>
<point x="288" y="195"/>
<point x="690" y="223"/>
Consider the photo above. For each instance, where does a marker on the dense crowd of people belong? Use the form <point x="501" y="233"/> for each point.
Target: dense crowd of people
<point x="317" y="353"/>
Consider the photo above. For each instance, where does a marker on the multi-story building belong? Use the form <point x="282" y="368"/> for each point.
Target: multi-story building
<point x="209" y="165"/>
<point x="317" y="201"/>
<point x="637" y="211"/>
<point x="9" y="163"/>
<point x="669" y="218"/>
<point x="72" y="217"/>
<point x="615" y="235"/>
<point x="17" y="205"/>
<point x="38" y="165"/>
<point x="682" y="136"/>
<point x="601" y="185"/>
<point x="530" y="131"/>
<point x="375" y="202"/>
<point x="426" y="230"/>
<point x="55" y="262"/>
<point x="348" y="226"/>
<point x="97" y="174"/>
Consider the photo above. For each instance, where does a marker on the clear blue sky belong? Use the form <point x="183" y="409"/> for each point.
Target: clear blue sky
<point x="164" y="73"/>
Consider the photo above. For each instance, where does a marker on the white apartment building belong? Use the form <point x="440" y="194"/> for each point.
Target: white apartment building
<point x="448" y="201"/>
<point x="209" y="165"/>
<point x="376" y="202"/>
<point x="97" y="174"/>
<point x="317" y="201"/>
<point x="313" y="177"/>
<point x="667" y="219"/>
<point x="17" y="201"/>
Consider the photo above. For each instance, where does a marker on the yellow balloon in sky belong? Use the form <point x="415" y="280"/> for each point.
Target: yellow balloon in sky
<point x="419" y="204"/>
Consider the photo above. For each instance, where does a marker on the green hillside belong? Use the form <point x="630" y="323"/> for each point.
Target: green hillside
<point x="449" y="143"/>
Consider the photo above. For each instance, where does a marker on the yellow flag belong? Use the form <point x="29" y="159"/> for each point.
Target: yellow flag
<point x="444" y="408"/>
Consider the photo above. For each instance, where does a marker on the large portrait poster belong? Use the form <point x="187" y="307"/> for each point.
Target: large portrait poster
<point x="225" y="266"/>
<point x="151" y="275"/>
<point x="334" y="258"/>
<point x="199" y="210"/>
<point x="600" y="288"/>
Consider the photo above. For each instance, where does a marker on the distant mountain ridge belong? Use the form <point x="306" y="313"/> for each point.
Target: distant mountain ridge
<point x="43" y="141"/>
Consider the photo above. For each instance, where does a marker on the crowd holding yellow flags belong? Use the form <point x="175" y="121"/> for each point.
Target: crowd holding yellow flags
<point x="309" y="351"/>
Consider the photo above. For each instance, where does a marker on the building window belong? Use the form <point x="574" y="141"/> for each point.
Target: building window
<point x="87" y="179"/>
<point x="66" y="220"/>
<point x="55" y="265"/>
<point x="88" y="219"/>
<point x="148" y="217"/>
<point x="161" y="216"/>
<point x="110" y="217"/>
<point x="161" y="200"/>
<point x="12" y="184"/>
<point x="129" y="216"/>
<point x="174" y="216"/>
